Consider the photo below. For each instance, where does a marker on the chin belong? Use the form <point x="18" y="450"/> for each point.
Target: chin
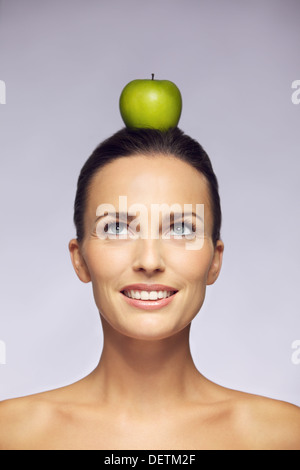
<point x="145" y="326"/>
<point x="150" y="329"/>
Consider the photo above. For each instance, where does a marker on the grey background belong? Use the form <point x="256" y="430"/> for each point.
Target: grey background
<point x="65" y="63"/>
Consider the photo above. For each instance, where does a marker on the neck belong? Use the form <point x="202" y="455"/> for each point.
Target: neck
<point x="146" y="375"/>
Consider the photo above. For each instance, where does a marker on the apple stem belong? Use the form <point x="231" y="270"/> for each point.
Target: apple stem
<point x="152" y="76"/>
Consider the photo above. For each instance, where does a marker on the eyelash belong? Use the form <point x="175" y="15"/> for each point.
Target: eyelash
<point x="191" y="225"/>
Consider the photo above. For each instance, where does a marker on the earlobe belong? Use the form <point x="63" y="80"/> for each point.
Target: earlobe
<point x="78" y="262"/>
<point x="216" y="264"/>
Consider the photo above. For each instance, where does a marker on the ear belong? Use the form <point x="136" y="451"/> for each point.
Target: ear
<point x="216" y="263"/>
<point x="78" y="262"/>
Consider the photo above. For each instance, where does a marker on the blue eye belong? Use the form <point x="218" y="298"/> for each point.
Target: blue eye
<point x="117" y="228"/>
<point x="115" y="225"/>
<point x="180" y="226"/>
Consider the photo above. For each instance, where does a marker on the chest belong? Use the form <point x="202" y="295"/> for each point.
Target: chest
<point x="169" y="434"/>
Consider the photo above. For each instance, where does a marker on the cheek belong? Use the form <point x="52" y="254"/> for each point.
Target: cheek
<point x="193" y="265"/>
<point x="105" y="263"/>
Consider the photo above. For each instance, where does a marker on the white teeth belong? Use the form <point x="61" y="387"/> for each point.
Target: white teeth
<point x="136" y="295"/>
<point x="145" y="295"/>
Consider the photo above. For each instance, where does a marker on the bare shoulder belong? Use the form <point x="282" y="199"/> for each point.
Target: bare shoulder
<point x="276" y="423"/>
<point x="19" y="417"/>
<point x="266" y="423"/>
<point x="24" y="421"/>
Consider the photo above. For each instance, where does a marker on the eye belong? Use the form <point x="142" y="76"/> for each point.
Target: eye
<point x="180" y="226"/>
<point x="117" y="226"/>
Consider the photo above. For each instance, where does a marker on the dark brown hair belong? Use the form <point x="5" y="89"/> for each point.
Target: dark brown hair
<point x="129" y="142"/>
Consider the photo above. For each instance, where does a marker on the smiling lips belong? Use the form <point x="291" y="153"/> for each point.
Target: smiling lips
<point x="149" y="296"/>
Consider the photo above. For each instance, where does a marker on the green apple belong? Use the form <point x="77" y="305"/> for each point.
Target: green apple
<point x="150" y="103"/>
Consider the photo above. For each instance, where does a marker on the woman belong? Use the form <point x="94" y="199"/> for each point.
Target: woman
<point x="148" y="285"/>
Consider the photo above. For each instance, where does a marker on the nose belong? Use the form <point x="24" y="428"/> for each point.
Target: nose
<point x="148" y="256"/>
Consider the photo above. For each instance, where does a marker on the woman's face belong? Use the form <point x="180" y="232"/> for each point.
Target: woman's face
<point x="113" y="263"/>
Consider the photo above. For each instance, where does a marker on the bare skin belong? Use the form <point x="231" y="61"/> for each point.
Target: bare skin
<point x="73" y="418"/>
<point x="146" y="392"/>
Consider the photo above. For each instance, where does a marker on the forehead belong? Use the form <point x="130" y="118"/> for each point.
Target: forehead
<point x="148" y="179"/>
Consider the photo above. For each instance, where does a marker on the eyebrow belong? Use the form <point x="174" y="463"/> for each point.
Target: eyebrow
<point x="122" y="215"/>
